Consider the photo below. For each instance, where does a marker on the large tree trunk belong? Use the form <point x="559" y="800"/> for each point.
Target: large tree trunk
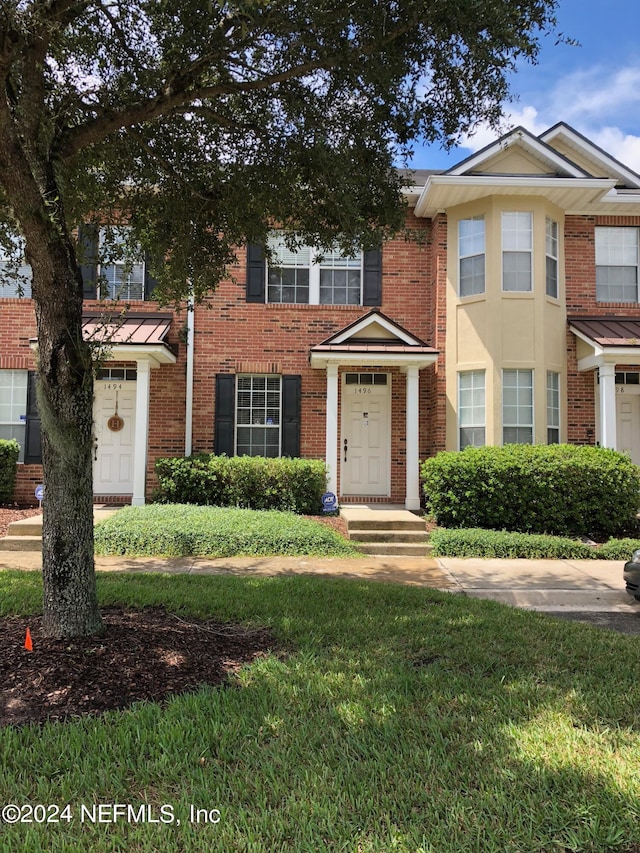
<point x="65" y="400"/>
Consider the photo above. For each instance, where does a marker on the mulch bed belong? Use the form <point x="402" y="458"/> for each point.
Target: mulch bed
<point x="14" y="513"/>
<point x="146" y="654"/>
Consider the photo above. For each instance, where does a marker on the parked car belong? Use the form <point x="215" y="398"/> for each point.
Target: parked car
<point x="632" y="575"/>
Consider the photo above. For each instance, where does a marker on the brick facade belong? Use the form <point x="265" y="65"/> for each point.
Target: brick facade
<point x="234" y="336"/>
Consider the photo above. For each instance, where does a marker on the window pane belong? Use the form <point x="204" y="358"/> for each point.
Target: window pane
<point x="516" y="271"/>
<point x="472" y="275"/>
<point x="471" y="408"/>
<point x="517" y="406"/>
<point x="258" y="403"/>
<point x="15" y="273"/>
<point x="13" y="406"/>
<point x="552" y="277"/>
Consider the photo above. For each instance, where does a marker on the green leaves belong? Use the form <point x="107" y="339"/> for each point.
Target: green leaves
<point x="558" y="489"/>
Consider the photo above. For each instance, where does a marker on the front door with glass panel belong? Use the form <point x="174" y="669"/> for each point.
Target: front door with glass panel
<point x="365" y="451"/>
<point x="114" y="413"/>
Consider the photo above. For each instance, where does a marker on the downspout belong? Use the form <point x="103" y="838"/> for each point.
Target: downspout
<point x="188" y="415"/>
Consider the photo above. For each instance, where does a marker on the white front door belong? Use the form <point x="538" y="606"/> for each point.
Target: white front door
<point x="365" y="449"/>
<point x="114" y="413"/>
<point x="628" y="421"/>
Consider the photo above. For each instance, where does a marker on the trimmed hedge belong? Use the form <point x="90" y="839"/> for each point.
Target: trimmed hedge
<point x="251" y="482"/>
<point x="559" y="489"/>
<point x="471" y="542"/>
<point x="9" y="452"/>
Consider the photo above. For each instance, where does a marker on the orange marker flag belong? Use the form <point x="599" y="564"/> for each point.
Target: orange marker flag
<point x="27" y="641"/>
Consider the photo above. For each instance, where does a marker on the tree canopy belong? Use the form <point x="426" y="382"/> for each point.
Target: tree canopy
<point x="199" y="124"/>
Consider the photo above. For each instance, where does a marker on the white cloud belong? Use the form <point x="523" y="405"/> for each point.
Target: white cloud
<point x="603" y="105"/>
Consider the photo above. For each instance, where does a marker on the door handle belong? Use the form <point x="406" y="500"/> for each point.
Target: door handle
<point x="346" y="445"/>
<point x="95" y="450"/>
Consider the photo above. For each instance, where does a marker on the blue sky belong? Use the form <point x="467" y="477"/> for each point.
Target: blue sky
<point x="594" y="87"/>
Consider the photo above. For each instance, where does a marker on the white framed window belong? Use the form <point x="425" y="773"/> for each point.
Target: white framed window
<point x="120" y="277"/>
<point x="551" y="250"/>
<point x="15" y="272"/>
<point x="471" y="253"/>
<point x="305" y="276"/>
<point x="617" y="260"/>
<point x="517" y="246"/>
<point x="13" y="406"/>
<point x="471" y="408"/>
<point x="553" y="407"/>
<point x="517" y="406"/>
<point x="258" y="415"/>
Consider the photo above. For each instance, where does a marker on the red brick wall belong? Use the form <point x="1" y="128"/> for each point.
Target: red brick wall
<point x="234" y="336"/>
<point x="167" y="403"/>
<point x="580" y="274"/>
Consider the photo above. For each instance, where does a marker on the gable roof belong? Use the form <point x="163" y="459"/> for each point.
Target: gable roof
<point x="574" y="140"/>
<point x="521" y="164"/>
<point x="373" y="340"/>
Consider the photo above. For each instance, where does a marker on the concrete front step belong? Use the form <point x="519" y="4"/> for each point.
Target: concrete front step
<point x="26" y="527"/>
<point x="395" y="549"/>
<point x="21" y="543"/>
<point x="388" y="535"/>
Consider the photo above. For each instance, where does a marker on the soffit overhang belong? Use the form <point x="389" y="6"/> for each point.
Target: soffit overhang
<point x="569" y="194"/>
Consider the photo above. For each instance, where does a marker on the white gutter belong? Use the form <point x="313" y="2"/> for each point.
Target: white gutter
<point x="188" y="415"/>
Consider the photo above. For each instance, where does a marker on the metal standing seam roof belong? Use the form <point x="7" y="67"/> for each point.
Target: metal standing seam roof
<point x="377" y="347"/>
<point x="609" y="331"/>
<point x="143" y="329"/>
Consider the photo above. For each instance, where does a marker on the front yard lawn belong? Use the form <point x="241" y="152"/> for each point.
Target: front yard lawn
<point x="391" y="718"/>
<point x="181" y="530"/>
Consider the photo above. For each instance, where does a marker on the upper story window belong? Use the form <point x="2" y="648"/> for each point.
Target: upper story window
<point x="471" y="253"/>
<point x="121" y="278"/>
<point x="617" y="264"/>
<point x="551" y="244"/>
<point x="305" y="277"/>
<point x="15" y="273"/>
<point x="517" y="245"/>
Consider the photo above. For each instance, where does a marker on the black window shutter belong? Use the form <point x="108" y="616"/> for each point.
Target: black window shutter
<point x="33" y="440"/>
<point x="291" y="388"/>
<point x="372" y="278"/>
<point x="225" y="413"/>
<point x="150" y="283"/>
<point x="88" y="249"/>
<point x="256" y="273"/>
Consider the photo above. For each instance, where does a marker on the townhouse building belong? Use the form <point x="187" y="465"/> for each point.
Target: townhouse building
<point x="511" y="314"/>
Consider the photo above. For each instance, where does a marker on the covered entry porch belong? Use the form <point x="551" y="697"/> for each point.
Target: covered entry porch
<point x="362" y="363"/>
<point x="611" y="346"/>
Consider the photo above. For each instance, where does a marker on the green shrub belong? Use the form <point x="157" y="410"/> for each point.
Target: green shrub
<point x="618" y="549"/>
<point x="499" y="543"/>
<point x="9" y="452"/>
<point x="183" y="531"/>
<point x="252" y="482"/>
<point x="559" y="489"/>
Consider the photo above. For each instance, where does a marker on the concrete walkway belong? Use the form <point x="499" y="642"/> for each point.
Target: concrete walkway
<point x="547" y="585"/>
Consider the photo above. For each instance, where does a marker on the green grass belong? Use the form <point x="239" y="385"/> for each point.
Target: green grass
<point x="180" y="530"/>
<point x="401" y="719"/>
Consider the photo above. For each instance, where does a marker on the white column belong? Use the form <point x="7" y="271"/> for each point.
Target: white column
<point x="608" y="437"/>
<point x="141" y="441"/>
<point x="412" y="500"/>
<point x="331" y="448"/>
